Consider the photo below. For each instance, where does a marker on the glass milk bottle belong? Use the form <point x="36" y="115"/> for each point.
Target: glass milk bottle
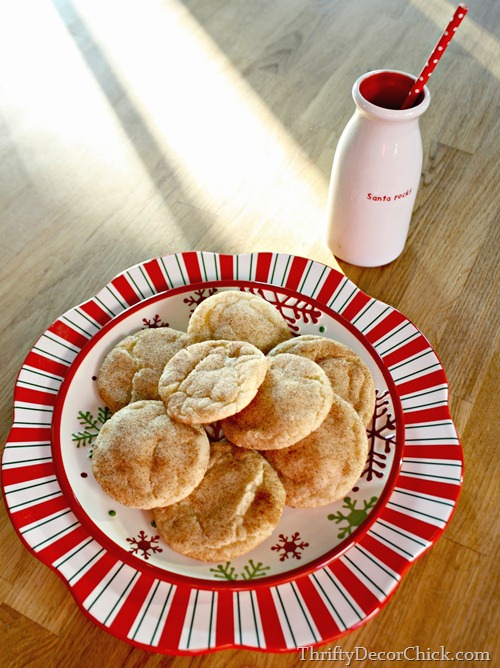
<point x="376" y="171"/>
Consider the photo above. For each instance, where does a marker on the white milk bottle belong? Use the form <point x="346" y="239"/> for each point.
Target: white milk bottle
<point x="376" y="171"/>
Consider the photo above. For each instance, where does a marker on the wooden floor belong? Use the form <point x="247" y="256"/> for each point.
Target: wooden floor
<point x="130" y="130"/>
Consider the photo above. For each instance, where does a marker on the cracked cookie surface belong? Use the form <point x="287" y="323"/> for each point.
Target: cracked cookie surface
<point x="132" y="369"/>
<point x="239" y="316"/>
<point x="293" y="400"/>
<point x="348" y="374"/>
<point x="142" y="458"/>
<point x="211" y="380"/>
<point x="237" y="505"/>
<point x="324" y="466"/>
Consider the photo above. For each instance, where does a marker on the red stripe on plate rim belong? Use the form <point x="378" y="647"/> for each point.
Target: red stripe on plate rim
<point x="333" y="278"/>
<point x="208" y="584"/>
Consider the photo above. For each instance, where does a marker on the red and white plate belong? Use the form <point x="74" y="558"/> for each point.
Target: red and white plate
<point x="324" y="571"/>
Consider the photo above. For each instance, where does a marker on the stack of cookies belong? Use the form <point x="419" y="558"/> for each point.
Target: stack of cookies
<point x="293" y="411"/>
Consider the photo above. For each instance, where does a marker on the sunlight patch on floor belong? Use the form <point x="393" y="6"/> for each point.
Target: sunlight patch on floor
<point x="215" y="130"/>
<point x="62" y="119"/>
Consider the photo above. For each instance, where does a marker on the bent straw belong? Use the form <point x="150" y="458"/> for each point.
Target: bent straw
<point x="435" y="56"/>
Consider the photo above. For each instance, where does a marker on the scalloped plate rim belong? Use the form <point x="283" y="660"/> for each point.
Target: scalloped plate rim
<point x="437" y="532"/>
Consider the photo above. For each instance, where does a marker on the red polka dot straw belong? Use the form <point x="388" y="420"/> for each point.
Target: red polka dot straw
<point x="435" y="56"/>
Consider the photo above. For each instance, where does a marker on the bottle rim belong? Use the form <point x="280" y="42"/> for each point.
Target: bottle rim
<point x="380" y="93"/>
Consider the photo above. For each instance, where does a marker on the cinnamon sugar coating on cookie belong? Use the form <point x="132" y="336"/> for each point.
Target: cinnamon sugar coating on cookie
<point x="324" y="466"/>
<point x="142" y="458"/>
<point x="131" y="370"/>
<point x="211" y="380"/>
<point x="237" y="505"/>
<point x="239" y="316"/>
<point x="348" y="374"/>
<point x="293" y="401"/>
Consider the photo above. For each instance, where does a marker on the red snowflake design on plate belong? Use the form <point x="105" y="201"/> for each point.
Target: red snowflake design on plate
<point x="199" y="296"/>
<point x="143" y="544"/>
<point x="154" y="323"/>
<point x="382" y="428"/>
<point x="290" y="308"/>
<point x="290" y="547"/>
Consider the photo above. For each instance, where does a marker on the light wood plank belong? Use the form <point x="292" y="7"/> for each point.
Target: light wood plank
<point x="131" y="130"/>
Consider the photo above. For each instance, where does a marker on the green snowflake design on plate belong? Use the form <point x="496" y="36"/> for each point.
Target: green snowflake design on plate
<point x="354" y="517"/>
<point x="91" y="427"/>
<point x="251" y="571"/>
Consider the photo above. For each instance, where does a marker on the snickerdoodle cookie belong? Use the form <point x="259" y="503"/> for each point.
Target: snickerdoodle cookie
<point x="325" y="465"/>
<point x="142" y="458"/>
<point x="211" y="380"/>
<point x="131" y="370"/>
<point x="348" y="374"/>
<point x="236" y="506"/>
<point x="293" y="400"/>
<point x="239" y="316"/>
